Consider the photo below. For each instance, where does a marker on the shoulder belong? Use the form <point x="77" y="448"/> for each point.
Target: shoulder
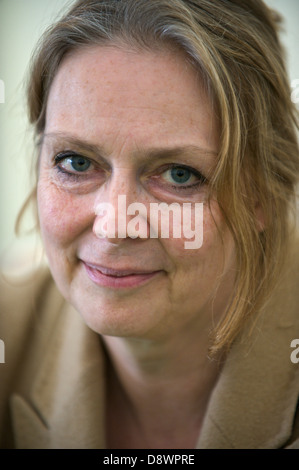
<point x="289" y="302"/>
<point x="285" y="297"/>
<point x="23" y="302"/>
<point x="279" y="333"/>
<point x="28" y="305"/>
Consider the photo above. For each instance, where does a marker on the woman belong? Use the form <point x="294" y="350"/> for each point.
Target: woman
<point x="153" y="343"/>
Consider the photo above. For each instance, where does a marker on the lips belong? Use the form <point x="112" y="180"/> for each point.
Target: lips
<point x="118" y="278"/>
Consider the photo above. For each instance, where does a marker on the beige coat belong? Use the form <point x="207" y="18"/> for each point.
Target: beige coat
<point x="52" y="384"/>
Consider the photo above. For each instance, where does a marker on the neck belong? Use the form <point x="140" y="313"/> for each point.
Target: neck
<point x="160" y="389"/>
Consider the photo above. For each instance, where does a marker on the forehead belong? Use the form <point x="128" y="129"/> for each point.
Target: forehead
<point x="144" y="95"/>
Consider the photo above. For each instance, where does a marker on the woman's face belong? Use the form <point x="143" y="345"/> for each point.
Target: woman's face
<point x="137" y="125"/>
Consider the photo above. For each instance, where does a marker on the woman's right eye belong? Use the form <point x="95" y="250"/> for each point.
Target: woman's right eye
<point x="72" y="163"/>
<point x="75" y="172"/>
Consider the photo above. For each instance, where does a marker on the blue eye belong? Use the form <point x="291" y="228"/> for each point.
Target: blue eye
<point x="72" y="163"/>
<point x="78" y="163"/>
<point x="180" y="175"/>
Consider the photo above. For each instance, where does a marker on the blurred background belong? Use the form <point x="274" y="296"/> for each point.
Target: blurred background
<point x="21" y="24"/>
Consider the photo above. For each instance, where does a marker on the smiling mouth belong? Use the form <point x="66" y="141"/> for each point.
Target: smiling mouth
<point x="118" y="278"/>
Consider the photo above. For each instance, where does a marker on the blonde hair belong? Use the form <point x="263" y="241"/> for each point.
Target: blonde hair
<point x="235" y="47"/>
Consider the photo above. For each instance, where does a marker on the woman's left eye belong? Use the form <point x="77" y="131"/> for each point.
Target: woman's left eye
<point x="182" y="176"/>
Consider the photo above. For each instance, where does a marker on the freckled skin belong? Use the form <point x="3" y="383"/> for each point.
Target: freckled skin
<point x="124" y="101"/>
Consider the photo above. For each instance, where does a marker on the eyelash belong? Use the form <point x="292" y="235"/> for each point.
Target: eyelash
<point x="76" y="177"/>
<point x="60" y="157"/>
<point x="201" y="178"/>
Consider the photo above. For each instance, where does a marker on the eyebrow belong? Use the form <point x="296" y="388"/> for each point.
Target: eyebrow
<point x="68" y="139"/>
<point x="150" y="153"/>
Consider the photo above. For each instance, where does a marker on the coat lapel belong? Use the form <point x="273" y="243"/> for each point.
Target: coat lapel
<point x="65" y="404"/>
<point x="254" y="402"/>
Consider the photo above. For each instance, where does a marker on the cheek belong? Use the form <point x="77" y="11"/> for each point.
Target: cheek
<point x="63" y="216"/>
<point x="209" y="257"/>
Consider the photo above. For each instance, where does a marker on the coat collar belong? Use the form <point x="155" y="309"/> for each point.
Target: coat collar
<point x="254" y="402"/>
<point x="64" y="407"/>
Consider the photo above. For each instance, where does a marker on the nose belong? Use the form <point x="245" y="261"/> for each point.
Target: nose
<point x="119" y="214"/>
